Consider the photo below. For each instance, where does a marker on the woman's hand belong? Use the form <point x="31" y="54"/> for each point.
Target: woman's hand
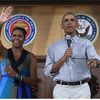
<point x="5" y="14"/>
<point x="10" y="71"/>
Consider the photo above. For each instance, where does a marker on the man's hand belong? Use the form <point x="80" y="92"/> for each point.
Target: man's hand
<point x="68" y="53"/>
<point x="92" y="63"/>
<point x="5" y="14"/>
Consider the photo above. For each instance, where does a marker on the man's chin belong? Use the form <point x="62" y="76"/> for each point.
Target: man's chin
<point x="70" y="33"/>
<point x="15" y="46"/>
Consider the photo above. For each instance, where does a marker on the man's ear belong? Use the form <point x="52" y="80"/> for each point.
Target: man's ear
<point x="77" y="25"/>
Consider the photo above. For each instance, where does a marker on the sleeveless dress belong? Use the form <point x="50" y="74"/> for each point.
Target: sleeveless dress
<point x="10" y="87"/>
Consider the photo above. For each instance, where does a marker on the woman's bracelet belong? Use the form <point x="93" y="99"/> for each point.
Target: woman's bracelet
<point x="19" y="77"/>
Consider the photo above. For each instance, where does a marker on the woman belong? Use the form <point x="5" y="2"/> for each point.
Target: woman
<point x="20" y="72"/>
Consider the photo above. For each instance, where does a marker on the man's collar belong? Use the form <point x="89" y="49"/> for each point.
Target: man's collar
<point x="73" y="39"/>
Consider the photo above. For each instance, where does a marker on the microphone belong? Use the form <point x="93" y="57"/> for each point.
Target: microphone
<point x="69" y="43"/>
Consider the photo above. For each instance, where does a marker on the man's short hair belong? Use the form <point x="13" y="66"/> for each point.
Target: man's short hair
<point x="69" y="13"/>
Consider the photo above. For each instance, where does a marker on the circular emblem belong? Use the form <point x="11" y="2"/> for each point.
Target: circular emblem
<point x="20" y="20"/>
<point x="87" y="27"/>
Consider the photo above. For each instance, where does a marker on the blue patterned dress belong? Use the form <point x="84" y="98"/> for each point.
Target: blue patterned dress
<point x="10" y="87"/>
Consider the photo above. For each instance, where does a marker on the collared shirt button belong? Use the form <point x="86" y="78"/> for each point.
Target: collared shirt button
<point x="70" y="68"/>
<point x="71" y="76"/>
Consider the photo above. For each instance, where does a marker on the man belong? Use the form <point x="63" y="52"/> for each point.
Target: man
<point x="67" y="62"/>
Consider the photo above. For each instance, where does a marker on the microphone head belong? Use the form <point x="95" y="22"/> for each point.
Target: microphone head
<point x="69" y="42"/>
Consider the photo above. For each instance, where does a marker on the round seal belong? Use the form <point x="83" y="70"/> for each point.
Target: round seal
<point x="20" y="20"/>
<point x="87" y="27"/>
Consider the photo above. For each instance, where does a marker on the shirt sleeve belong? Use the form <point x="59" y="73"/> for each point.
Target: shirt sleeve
<point x="49" y="63"/>
<point x="91" y="52"/>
